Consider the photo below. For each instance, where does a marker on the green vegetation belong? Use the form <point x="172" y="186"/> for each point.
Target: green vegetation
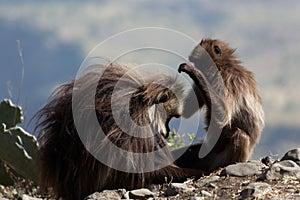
<point x="179" y="140"/>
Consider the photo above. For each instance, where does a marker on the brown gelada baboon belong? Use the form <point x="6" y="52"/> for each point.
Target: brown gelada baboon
<point x="71" y="170"/>
<point x="243" y="119"/>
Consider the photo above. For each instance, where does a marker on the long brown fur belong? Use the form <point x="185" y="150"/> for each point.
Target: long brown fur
<point x="243" y="118"/>
<point x="66" y="165"/>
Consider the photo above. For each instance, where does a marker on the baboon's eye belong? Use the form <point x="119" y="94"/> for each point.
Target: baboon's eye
<point x="163" y="98"/>
<point x="217" y="50"/>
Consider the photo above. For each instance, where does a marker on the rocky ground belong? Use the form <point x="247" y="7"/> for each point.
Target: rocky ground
<point x="265" y="179"/>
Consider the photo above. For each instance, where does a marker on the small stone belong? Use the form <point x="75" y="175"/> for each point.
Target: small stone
<point x="26" y="197"/>
<point x="154" y="187"/>
<point x="207" y="180"/>
<point x="246" y="193"/>
<point x="289" y="190"/>
<point x="175" y="188"/>
<point x="258" y="162"/>
<point x="283" y="169"/>
<point x="171" y="191"/>
<point x="105" y="194"/>
<point x="181" y="186"/>
<point x="121" y="192"/>
<point x="268" y="160"/>
<point x="293" y="155"/>
<point x="205" y="193"/>
<point x="256" y="189"/>
<point x="227" y="187"/>
<point x="244" y="183"/>
<point x="126" y="195"/>
<point x="2" y="189"/>
<point x="211" y="185"/>
<point x="140" y="193"/>
<point x="196" y="198"/>
<point x="242" y="169"/>
<point x="14" y="192"/>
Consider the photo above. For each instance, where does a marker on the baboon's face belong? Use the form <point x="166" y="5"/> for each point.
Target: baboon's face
<point x="155" y="103"/>
<point x="167" y="106"/>
<point x="218" y="50"/>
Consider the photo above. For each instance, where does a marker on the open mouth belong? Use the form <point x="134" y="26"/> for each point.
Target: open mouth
<point x="167" y="129"/>
<point x="166" y="135"/>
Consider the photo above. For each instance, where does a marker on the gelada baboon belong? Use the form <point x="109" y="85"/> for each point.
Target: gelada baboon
<point x="243" y="119"/>
<point x="71" y="170"/>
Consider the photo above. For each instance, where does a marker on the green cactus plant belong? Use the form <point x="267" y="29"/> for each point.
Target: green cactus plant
<point x="18" y="148"/>
<point x="10" y="114"/>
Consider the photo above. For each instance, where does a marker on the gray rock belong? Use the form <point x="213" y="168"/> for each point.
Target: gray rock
<point x="243" y="169"/>
<point x="268" y="160"/>
<point x="207" y="181"/>
<point x="211" y="185"/>
<point x="175" y="188"/>
<point x="27" y="197"/>
<point x="289" y="190"/>
<point x="142" y="193"/>
<point x="244" y="183"/>
<point x="258" y="163"/>
<point x="247" y="193"/>
<point x="257" y="190"/>
<point x="104" y="195"/>
<point x="154" y="188"/>
<point x="121" y="192"/>
<point x="196" y="198"/>
<point x="171" y="191"/>
<point x="283" y="169"/>
<point x="293" y="155"/>
<point x="126" y="196"/>
<point x="205" y="193"/>
<point x="14" y="192"/>
<point x="227" y="187"/>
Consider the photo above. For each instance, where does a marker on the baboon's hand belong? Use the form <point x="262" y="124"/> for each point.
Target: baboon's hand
<point x="190" y="70"/>
<point x="194" y="73"/>
<point x="184" y="67"/>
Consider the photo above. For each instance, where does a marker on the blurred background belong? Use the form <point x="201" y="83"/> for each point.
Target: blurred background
<point x="56" y="36"/>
